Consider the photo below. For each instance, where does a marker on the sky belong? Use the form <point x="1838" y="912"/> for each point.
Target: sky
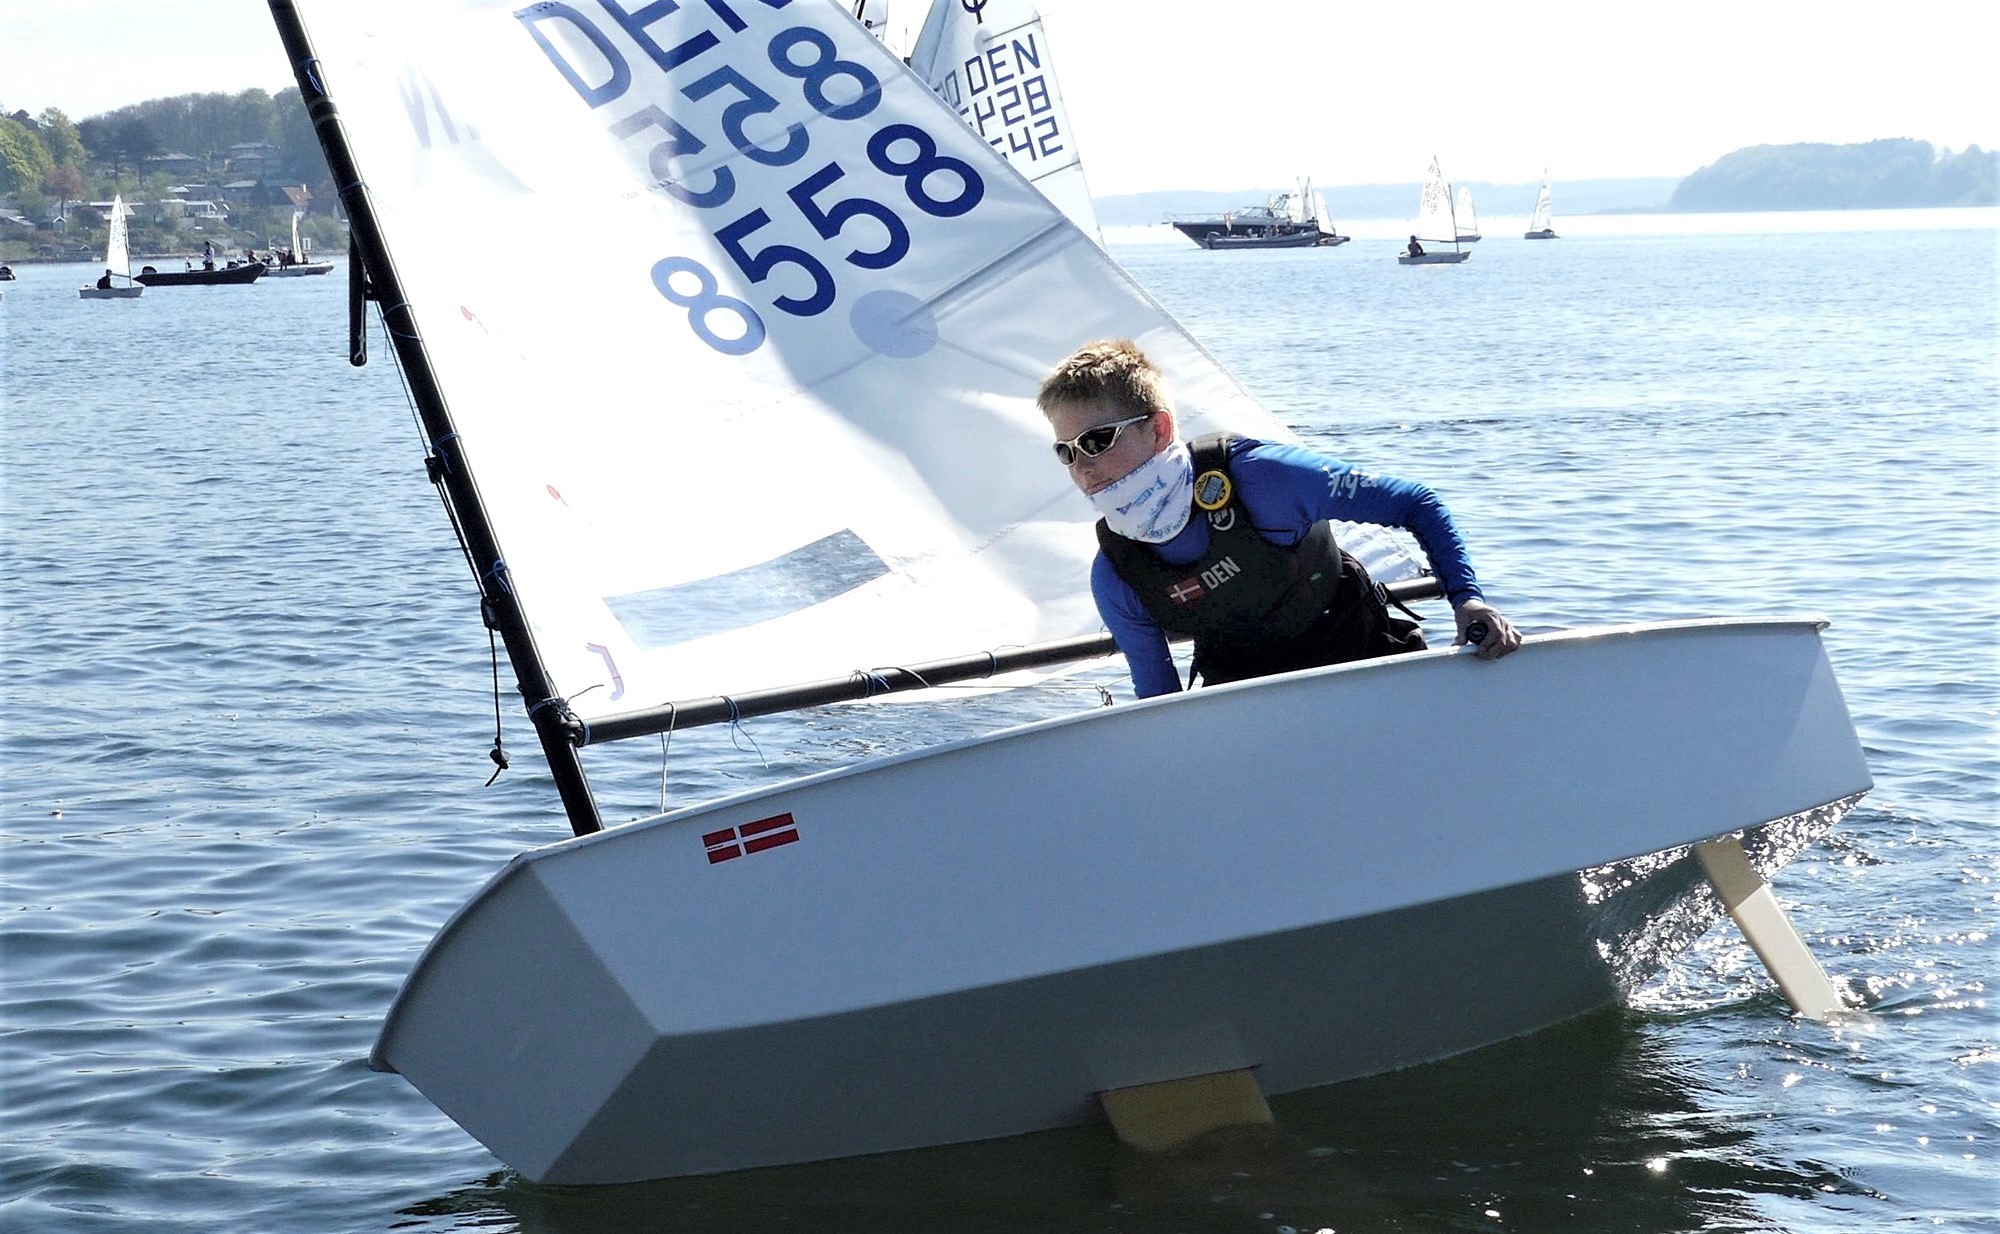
<point x="1182" y="94"/>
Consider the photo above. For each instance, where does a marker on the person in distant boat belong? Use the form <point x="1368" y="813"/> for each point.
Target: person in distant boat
<point x="1416" y="250"/>
<point x="104" y="283"/>
<point x="207" y="255"/>
<point x="1230" y="540"/>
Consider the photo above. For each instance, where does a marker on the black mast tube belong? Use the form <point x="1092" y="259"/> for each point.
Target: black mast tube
<point x="554" y="723"/>
<point x="877" y="682"/>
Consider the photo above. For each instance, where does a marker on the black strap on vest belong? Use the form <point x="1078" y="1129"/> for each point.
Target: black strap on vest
<point x="1254" y="607"/>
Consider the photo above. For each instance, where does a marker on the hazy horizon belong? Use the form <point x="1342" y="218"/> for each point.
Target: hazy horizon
<point x="1361" y="97"/>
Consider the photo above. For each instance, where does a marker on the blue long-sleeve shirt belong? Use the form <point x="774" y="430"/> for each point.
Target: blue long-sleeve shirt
<point x="1285" y="489"/>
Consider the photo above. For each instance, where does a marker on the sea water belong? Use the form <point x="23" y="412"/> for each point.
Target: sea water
<point x="249" y="705"/>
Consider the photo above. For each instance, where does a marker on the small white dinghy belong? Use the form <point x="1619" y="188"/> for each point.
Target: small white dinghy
<point x="1541" y="225"/>
<point x="1293" y="878"/>
<point x="117" y="259"/>
<point x="1465" y="217"/>
<point x="296" y="261"/>
<point x="1437" y="224"/>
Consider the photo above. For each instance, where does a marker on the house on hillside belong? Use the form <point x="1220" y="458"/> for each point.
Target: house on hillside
<point x="254" y="194"/>
<point x="174" y="164"/>
<point x="103" y="208"/>
<point x="252" y="159"/>
<point x="191" y="208"/>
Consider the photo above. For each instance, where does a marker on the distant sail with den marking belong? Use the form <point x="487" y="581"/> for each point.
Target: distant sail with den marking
<point x="990" y="61"/>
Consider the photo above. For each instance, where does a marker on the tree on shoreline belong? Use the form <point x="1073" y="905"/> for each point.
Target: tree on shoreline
<point x="24" y="161"/>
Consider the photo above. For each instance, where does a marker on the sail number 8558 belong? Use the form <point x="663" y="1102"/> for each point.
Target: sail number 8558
<point x="901" y="150"/>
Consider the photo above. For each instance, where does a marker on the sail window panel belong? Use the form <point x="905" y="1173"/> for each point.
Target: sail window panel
<point x="800" y="579"/>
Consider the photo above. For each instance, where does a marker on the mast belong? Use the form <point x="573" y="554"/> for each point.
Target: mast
<point x="1450" y="204"/>
<point x="555" y="725"/>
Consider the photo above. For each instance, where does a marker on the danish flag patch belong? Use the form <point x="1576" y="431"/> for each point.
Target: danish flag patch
<point x="733" y="842"/>
<point x="1187" y="591"/>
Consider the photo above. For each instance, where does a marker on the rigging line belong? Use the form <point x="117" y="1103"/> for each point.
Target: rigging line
<point x="553" y="699"/>
<point x="404" y="306"/>
<point x="437" y="448"/>
<point x="499" y="577"/>
<point x="499" y="752"/>
<point x="736" y="726"/>
<point x="874" y="680"/>
<point x="666" y="742"/>
<point x="431" y="452"/>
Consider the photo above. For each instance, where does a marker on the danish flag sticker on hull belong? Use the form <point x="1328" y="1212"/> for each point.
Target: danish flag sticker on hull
<point x="733" y="842"/>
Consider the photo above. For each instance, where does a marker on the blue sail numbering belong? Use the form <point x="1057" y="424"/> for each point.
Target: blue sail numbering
<point x="813" y="574"/>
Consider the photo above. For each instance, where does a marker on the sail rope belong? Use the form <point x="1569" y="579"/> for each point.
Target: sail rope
<point x="499" y="751"/>
<point x="556" y="700"/>
<point x="404" y="306"/>
<point x="876" y="681"/>
<point x="666" y="742"/>
<point x="437" y="461"/>
<point x="736" y="726"/>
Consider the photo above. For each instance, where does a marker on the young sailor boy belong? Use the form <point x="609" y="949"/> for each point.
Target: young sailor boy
<point x="1229" y="539"/>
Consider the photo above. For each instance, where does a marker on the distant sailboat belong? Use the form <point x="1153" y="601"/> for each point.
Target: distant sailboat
<point x="1316" y="202"/>
<point x="1436" y="224"/>
<point x="1467" y="218"/>
<point x="1541" y="225"/>
<point x="292" y="263"/>
<point x="117" y="261"/>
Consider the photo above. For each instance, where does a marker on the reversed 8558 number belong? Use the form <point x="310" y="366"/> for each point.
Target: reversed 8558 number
<point x="901" y="151"/>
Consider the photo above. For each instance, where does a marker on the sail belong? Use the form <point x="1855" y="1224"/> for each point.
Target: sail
<point x="1434" y="216"/>
<point x="1320" y="217"/>
<point x="779" y="426"/>
<point x="991" y="62"/>
<point x="1544" y="216"/>
<point x="1300" y="208"/>
<point x="117" y="250"/>
<point x="296" y="247"/>
<point x="1466" y="218"/>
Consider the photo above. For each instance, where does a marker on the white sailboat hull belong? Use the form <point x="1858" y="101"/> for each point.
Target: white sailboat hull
<point x="1321" y="875"/>
<point x="111" y="293"/>
<point x="1431" y="259"/>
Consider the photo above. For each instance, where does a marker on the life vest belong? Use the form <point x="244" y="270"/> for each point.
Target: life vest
<point x="1254" y="607"/>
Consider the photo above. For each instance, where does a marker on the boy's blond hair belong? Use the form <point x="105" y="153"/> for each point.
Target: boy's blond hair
<point x="1112" y="372"/>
